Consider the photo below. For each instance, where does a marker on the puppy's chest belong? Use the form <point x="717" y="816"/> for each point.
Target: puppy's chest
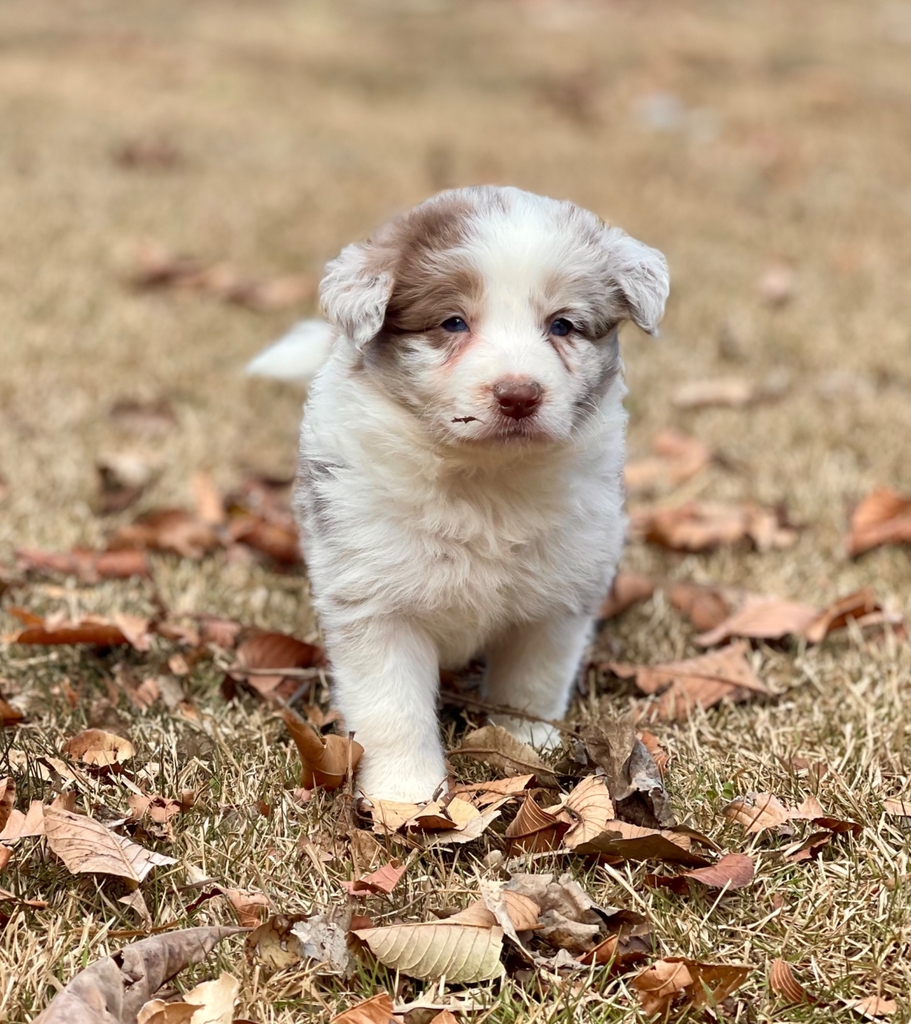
<point x="468" y="556"/>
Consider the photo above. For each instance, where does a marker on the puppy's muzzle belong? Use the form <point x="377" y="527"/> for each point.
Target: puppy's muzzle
<point x="517" y="398"/>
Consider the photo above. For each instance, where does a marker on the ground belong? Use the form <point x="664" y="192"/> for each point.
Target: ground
<point x="738" y="139"/>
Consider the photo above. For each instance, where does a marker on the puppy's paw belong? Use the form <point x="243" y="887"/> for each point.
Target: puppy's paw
<point x="392" y="779"/>
<point x="535" y="734"/>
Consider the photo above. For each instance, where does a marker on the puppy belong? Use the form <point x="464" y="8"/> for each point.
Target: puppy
<point x="460" y="479"/>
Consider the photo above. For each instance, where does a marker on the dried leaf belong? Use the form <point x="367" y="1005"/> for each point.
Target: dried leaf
<point x="783" y="983"/>
<point x="705" y="607"/>
<point x="172" y="530"/>
<point x="484" y="793"/>
<point x="86" y="847"/>
<point x="704" y="681"/>
<point x="251" y="907"/>
<point x="677" y="458"/>
<point x="274" y="944"/>
<point x="7" y="801"/>
<point x="383" y="880"/>
<point x="22" y="826"/>
<point x="116" y="987"/>
<point x="86" y="565"/>
<point x="323" y="941"/>
<point x="633" y="777"/>
<point x="873" y="1007"/>
<point x="264" y="651"/>
<point x="732" y="871"/>
<point x="734" y="392"/>
<point x="902" y="808"/>
<point x="376" y="1010"/>
<point x="808" y="849"/>
<point x="278" y="540"/>
<point x="152" y="418"/>
<point x="703" y="526"/>
<point x="99" y="748"/>
<point x="157" y="1011"/>
<point x="9" y="716"/>
<point x="860" y="607"/>
<point x="91" y="629"/>
<point x="622" y="841"/>
<point x="762" y="618"/>
<point x="677" y="982"/>
<point x="591" y="806"/>
<point x="628" y="589"/>
<point x="324" y="759"/>
<point x="883" y="517"/>
<point x="534" y="830"/>
<point x="498" y="748"/>
<point x="464" y="953"/>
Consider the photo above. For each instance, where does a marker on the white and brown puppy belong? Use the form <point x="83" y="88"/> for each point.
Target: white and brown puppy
<point x="460" y="484"/>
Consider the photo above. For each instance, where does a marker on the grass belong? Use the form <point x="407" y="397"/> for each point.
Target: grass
<point x="300" y="126"/>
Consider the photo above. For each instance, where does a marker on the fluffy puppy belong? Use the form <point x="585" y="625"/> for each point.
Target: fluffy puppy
<point x="460" y="480"/>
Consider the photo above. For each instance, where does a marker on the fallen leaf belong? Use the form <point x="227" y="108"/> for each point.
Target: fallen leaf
<point x="776" y="286"/>
<point x="116" y="987"/>
<point x="23" y="826"/>
<point x="783" y="983"/>
<point x="883" y="517"/>
<point x="705" y="607"/>
<point x="490" y="791"/>
<point x="152" y="418"/>
<point x="7" y="800"/>
<point x="274" y="943"/>
<point x="9" y="716"/>
<point x="732" y="871"/>
<point x="154" y="153"/>
<point x="591" y="807"/>
<point x="703" y="526"/>
<point x="383" y="880"/>
<point x="325" y="760"/>
<point x="534" y="830"/>
<point x="873" y="1007"/>
<point x="676" y="459"/>
<point x="376" y="1010"/>
<point x="251" y="907"/>
<point x="760" y="811"/>
<point x="696" y="682"/>
<point x="464" y="953"/>
<point x="902" y="808"/>
<point x="159" y="809"/>
<point x="860" y="607"/>
<point x="86" y="847"/>
<point x="678" y="982"/>
<point x="280" y="541"/>
<point x="123" y="476"/>
<point x="500" y="749"/>
<point x="170" y="530"/>
<point x="91" y="629"/>
<point x="262" y="657"/>
<point x="734" y="392"/>
<point x="762" y="618"/>
<point x="625" y="842"/>
<point x="99" y="748"/>
<point x="808" y="849"/>
<point x="324" y="941"/>
<point x="157" y="1011"/>
<point x="633" y="776"/>
<point x="87" y="566"/>
<point x="628" y="589"/>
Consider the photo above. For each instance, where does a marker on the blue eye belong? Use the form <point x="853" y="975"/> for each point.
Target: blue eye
<point x="560" y="327"/>
<point x="455" y="325"/>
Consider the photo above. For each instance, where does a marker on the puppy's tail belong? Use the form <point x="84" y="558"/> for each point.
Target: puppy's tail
<point x="297" y="356"/>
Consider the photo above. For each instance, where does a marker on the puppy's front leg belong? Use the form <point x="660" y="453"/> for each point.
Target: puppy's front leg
<point x="532" y="668"/>
<point x="386" y="681"/>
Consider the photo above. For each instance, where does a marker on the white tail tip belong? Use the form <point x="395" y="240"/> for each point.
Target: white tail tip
<point x="297" y="356"/>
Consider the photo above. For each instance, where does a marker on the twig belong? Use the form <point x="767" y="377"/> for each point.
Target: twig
<point x="462" y="700"/>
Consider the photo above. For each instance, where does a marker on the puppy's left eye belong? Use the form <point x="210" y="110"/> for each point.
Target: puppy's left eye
<point x="560" y="327"/>
<point x="455" y="325"/>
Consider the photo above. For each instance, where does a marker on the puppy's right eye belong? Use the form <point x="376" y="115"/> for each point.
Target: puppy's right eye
<point x="455" y="325"/>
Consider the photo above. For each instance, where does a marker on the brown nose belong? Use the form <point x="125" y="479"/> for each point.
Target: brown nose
<point x="517" y="398"/>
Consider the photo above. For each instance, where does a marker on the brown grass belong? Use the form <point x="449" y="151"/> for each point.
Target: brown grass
<point x="303" y="125"/>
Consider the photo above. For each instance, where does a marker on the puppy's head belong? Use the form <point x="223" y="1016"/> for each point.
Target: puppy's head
<point x="492" y="314"/>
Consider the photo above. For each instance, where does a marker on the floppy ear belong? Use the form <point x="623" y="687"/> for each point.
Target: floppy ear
<point x="354" y="295"/>
<point x="641" y="274"/>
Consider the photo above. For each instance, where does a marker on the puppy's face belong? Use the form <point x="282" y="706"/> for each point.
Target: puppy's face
<point x="492" y="314"/>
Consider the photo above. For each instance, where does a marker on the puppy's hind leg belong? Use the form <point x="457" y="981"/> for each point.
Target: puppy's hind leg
<point x="387" y="675"/>
<point x="532" y="668"/>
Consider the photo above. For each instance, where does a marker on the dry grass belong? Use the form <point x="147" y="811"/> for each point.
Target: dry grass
<point x="301" y="126"/>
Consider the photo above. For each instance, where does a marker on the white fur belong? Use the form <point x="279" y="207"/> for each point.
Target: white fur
<point x="297" y="356"/>
<point x="429" y="541"/>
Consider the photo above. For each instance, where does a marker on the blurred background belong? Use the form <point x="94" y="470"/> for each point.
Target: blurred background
<point x="174" y="175"/>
